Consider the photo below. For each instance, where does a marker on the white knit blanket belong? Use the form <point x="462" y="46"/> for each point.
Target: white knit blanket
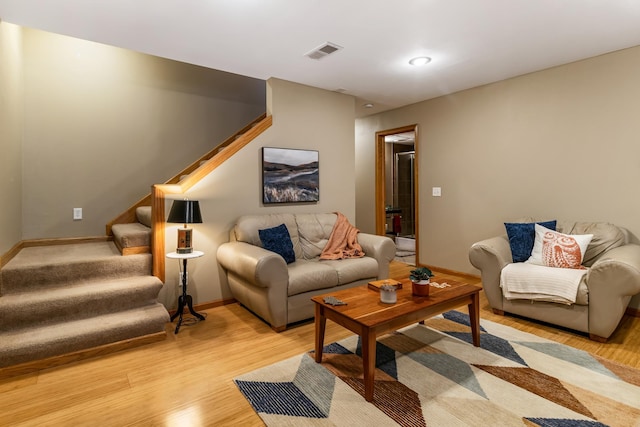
<point x="537" y="282"/>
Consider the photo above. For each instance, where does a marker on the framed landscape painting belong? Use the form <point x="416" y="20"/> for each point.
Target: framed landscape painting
<point x="290" y="175"/>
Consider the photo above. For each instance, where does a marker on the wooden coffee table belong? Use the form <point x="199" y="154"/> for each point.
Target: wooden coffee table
<point x="366" y="316"/>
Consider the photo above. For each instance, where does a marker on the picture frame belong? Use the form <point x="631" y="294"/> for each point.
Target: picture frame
<point x="290" y="175"/>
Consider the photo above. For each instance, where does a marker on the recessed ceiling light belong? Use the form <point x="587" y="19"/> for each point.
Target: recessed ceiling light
<point x="369" y="105"/>
<point x="420" y="60"/>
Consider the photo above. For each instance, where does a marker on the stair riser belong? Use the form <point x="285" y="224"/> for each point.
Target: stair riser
<point x="36" y="278"/>
<point x="66" y="339"/>
<point x="25" y="312"/>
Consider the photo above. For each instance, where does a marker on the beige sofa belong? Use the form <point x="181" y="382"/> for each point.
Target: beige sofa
<point x="280" y="293"/>
<point x="612" y="278"/>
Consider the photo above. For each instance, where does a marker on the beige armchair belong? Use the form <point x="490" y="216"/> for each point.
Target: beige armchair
<point x="612" y="279"/>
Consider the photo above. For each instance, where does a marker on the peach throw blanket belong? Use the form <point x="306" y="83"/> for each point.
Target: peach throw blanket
<point x="343" y="242"/>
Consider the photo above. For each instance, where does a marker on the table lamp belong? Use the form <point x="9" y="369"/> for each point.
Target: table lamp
<point x="185" y="212"/>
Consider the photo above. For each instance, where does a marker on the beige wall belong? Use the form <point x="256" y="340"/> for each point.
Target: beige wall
<point x="303" y="118"/>
<point x="11" y="119"/>
<point x="560" y="143"/>
<point x="103" y="124"/>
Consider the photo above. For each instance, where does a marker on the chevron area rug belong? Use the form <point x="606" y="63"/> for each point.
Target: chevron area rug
<point x="431" y="375"/>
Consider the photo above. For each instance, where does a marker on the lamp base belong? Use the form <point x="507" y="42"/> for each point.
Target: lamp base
<point x="184" y="241"/>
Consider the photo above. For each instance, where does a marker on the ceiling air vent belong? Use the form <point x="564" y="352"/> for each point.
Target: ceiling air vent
<point x="324" y="50"/>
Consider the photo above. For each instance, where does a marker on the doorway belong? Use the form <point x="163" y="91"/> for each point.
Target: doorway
<point x="397" y="189"/>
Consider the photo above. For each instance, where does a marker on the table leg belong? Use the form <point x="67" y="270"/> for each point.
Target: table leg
<point x="369" y="362"/>
<point x="474" y="318"/>
<point x="181" y="302"/>
<point x="321" y="323"/>
<point x="180" y="308"/>
<point x="191" y="310"/>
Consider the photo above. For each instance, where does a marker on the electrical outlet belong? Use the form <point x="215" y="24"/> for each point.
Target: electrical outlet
<point x="77" y="214"/>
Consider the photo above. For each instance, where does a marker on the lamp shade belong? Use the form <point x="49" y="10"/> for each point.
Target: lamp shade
<point x="185" y="212"/>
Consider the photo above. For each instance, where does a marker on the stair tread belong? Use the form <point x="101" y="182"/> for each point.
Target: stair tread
<point x="24" y="345"/>
<point x="131" y="235"/>
<point x="63" y="254"/>
<point x="77" y="327"/>
<point x="131" y="227"/>
<point x="45" y="267"/>
<point x="93" y="287"/>
<point x="77" y="301"/>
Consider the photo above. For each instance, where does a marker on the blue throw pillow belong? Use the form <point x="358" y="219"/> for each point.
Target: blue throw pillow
<point x="521" y="237"/>
<point x="278" y="240"/>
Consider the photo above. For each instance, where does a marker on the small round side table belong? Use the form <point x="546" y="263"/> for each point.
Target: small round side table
<point x="185" y="299"/>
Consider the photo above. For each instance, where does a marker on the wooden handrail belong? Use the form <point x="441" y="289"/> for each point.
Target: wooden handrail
<point x="129" y="215"/>
<point x="159" y="191"/>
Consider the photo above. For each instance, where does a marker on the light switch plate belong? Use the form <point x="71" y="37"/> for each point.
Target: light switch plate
<point x="436" y="191"/>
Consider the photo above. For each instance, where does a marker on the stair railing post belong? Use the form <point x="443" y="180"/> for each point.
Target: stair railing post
<point x="157" y="231"/>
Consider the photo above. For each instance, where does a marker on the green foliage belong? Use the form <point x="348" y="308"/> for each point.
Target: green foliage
<point x="420" y="273"/>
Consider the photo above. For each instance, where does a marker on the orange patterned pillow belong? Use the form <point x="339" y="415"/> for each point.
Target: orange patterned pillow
<point x="561" y="250"/>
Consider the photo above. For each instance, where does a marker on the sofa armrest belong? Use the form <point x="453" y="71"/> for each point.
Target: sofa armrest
<point x="490" y="256"/>
<point x="382" y="248"/>
<point x="612" y="281"/>
<point x="255" y="265"/>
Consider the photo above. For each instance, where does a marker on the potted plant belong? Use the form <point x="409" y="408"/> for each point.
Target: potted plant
<point x="420" y="278"/>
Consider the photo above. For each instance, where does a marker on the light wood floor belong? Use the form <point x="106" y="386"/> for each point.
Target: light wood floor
<point x="187" y="380"/>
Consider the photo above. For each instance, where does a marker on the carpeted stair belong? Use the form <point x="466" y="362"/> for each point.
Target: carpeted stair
<point x="135" y="237"/>
<point x="61" y="299"/>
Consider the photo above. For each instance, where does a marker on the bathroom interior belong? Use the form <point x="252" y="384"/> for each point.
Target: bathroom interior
<point x="400" y="195"/>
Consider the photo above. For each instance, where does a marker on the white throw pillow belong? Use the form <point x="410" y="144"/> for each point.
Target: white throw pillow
<point x="555" y="249"/>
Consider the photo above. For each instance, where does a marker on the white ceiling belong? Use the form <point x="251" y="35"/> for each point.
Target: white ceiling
<point x="471" y="42"/>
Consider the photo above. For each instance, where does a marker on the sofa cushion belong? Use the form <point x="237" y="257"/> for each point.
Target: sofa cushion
<point x="354" y="269"/>
<point x="555" y="249"/>
<point x="309" y="275"/>
<point x="277" y="239"/>
<point x="521" y="237"/>
<point x="247" y="226"/>
<point x="314" y="231"/>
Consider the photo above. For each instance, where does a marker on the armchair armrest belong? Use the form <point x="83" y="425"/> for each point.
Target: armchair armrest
<point x="612" y="281"/>
<point x="382" y="248"/>
<point x="255" y="265"/>
<point x="490" y="256"/>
